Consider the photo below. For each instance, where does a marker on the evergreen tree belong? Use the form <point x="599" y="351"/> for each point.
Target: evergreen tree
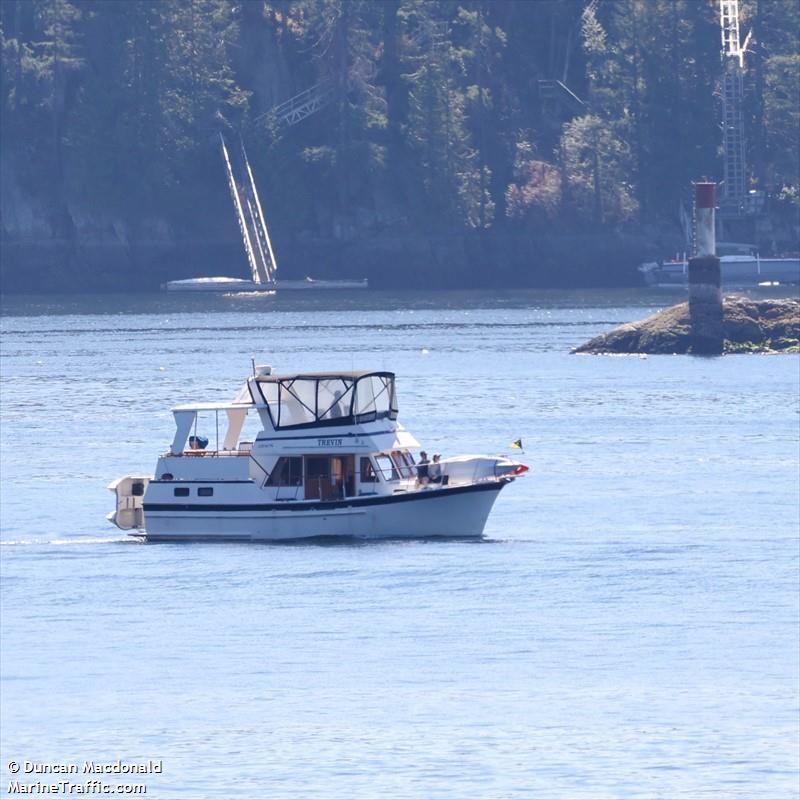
<point x="438" y="114"/>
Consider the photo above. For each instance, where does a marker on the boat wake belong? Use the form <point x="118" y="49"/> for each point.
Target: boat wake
<point x="250" y="295"/>
<point x="69" y="542"/>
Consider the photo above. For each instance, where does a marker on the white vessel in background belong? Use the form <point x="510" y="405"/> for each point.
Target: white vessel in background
<point x="217" y="284"/>
<point x="243" y="285"/>
<point x="740" y="265"/>
<point x="330" y="459"/>
<point x="257" y="245"/>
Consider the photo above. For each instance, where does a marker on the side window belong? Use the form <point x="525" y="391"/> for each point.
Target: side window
<point x="288" y="471"/>
<point x="367" y="471"/>
<point x="402" y="462"/>
<point x="386" y="468"/>
<point x="181" y="491"/>
<point x="205" y="491"/>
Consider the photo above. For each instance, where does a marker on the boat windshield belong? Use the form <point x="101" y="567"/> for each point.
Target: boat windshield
<point x="312" y="400"/>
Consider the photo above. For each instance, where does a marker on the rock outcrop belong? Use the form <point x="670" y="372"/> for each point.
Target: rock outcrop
<point x="751" y="326"/>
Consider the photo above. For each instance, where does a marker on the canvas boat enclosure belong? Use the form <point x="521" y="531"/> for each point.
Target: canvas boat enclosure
<point x="316" y="400"/>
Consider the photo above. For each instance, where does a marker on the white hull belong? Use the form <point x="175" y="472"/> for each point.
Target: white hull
<point x="220" y="284"/>
<point x="734" y="271"/>
<point x="214" y="285"/>
<point x="457" y="512"/>
<point x="312" y="284"/>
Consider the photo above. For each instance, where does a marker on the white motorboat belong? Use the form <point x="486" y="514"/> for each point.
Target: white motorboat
<point x="740" y="265"/>
<point x="330" y="459"/>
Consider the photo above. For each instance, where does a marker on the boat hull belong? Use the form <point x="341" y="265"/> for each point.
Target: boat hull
<point x="735" y="271"/>
<point x="314" y="284"/>
<point x="218" y="284"/>
<point x="457" y="512"/>
<point x="227" y="285"/>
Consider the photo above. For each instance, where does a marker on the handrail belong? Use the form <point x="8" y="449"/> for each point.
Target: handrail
<point x="287" y="495"/>
<point x="208" y="454"/>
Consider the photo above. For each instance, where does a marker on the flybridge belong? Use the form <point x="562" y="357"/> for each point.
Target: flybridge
<point x="308" y="400"/>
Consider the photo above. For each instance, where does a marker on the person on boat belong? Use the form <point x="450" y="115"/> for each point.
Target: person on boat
<point x="435" y="469"/>
<point x="423" y="465"/>
<point x="336" y="408"/>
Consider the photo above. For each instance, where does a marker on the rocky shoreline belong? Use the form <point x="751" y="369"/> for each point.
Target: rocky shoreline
<point x="750" y="326"/>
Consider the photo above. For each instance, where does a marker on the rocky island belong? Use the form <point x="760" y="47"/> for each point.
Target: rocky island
<point x="749" y="326"/>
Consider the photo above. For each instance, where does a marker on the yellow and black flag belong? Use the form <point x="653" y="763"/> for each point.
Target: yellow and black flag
<point x="516" y="443"/>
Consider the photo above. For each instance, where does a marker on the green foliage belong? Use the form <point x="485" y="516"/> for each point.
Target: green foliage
<point x="535" y="195"/>
<point x="438" y="117"/>
<point x="767" y="346"/>
<point x="597" y="164"/>
<point x="782" y="118"/>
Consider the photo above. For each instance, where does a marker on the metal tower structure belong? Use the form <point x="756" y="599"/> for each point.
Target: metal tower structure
<point x="302" y="105"/>
<point x="559" y="102"/>
<point x="734" y="190"/>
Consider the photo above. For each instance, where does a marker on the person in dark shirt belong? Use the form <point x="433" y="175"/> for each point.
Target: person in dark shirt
<point x="422" y="468"/>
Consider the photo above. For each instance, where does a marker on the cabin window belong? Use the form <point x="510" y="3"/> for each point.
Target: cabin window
<point x="368" y="471"/>
<point x="404" y="463"/>
<point x="288" y="471"/>
<point x="137" y="488"/>
<point x="181" y="491"/>
<point x="386" y="468"/>
<point x="205" y="491"/>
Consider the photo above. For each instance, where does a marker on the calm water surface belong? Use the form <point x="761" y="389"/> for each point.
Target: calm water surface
<point x="629" y="627"/>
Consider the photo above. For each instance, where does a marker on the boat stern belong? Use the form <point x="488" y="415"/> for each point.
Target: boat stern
<point x="129" y="492"/>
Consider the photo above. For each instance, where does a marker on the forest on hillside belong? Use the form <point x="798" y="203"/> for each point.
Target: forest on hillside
<point x="478" y="121"/>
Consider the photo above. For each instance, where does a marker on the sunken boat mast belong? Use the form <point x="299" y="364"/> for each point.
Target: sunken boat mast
<point x="250" y="216"/>
<point x="257" y="243"/>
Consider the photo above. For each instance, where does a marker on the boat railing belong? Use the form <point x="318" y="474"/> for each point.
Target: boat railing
<point x="237" y="453"/>
<point x="288" y="492"/>
<point x="331" y="486"/>
<point x="396" y="474"/>
<point x="406" y="478"/>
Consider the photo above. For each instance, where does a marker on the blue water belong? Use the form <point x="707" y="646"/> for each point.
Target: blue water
<point x="628" y="629"/>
